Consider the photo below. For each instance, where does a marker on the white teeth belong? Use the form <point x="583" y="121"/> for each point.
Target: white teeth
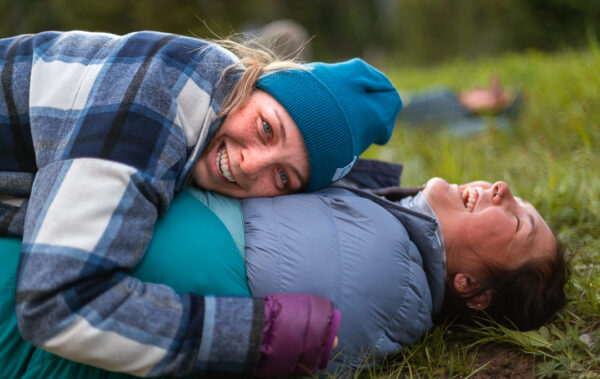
<point x="223" y="164"/>
<point x="469" y="198"/>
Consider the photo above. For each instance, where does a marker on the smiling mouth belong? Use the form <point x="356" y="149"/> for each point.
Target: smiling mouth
<point x="469" y="198"/>
<point x="223" y="164"/>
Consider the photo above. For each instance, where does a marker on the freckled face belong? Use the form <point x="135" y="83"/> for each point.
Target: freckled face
<point x="257" y="152"/>
<point x="481" y="221"/>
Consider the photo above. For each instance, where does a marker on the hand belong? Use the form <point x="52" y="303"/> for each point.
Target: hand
<point x="486" y="100"/>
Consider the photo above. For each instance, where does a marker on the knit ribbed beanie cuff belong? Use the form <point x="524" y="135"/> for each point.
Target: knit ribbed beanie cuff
<point x="340" y="110"/>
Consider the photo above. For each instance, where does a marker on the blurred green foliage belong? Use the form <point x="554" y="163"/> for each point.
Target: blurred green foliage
<point x="407" y="31"/>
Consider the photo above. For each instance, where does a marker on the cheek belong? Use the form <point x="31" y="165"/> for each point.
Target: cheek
<point x="262" y="187"/>
<point x="201" y="171"/>
<point x="234" y="125"/>
<point x="490" y="238"/>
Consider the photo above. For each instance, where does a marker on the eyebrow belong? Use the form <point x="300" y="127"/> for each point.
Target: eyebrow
<point x="281" y="126"/>
<point x="303" y="180"/>
<point x="533" y="225"/>
<point x="531" y="220"/>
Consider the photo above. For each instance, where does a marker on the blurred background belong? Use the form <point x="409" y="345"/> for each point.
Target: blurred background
<point x="381" y="31"/>
<point x="545" y="50"/>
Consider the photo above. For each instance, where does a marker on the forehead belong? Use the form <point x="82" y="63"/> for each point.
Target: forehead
<point x="262" y="98"/>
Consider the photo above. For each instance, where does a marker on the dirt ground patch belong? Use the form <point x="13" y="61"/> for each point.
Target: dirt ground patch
<point x="503" y="363"/>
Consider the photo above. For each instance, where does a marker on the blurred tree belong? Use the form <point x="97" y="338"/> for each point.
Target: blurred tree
<point x="417" y="31"/>
<point x="437" y="29"/>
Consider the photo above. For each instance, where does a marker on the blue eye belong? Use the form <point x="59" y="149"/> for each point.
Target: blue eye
<point x="267" y="128"/>
<point x="283" y="176"/>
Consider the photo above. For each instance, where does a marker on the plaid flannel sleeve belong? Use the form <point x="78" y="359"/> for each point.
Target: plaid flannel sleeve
<point x="116" y="124"/>
<point x="75" y="299"/>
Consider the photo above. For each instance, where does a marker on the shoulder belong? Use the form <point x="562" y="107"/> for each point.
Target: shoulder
<point x="179" y="48"/>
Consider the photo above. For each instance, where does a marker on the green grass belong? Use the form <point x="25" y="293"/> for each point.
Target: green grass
<point x="549" y="156"/>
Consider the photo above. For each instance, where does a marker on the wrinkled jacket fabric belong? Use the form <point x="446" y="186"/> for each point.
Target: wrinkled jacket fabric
<point x="378" y="262"/>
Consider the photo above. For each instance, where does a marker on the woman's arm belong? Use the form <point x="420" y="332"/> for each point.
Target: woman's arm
<point x="88" y="222"/>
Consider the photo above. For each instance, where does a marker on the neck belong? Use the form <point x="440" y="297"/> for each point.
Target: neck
<point x="397" y="193"/>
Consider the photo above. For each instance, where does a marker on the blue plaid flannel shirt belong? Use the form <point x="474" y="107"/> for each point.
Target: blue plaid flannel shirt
<point x="97" y="132"/>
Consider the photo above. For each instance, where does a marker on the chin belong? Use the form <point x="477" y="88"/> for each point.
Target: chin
<point x="436" y="185"/>
<point x="438" y="193"/>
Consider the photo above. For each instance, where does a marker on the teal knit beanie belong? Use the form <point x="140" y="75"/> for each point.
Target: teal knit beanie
<point x="340" y="109"/>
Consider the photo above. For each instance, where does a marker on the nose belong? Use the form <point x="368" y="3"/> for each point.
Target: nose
<point x="253" y="160"/>
<point x="501" y="194"/>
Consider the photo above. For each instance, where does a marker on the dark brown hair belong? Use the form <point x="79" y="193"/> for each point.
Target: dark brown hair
<point x="523" y="298"/>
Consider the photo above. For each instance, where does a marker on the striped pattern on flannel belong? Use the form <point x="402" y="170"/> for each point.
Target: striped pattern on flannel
<point x="111" y="127"/>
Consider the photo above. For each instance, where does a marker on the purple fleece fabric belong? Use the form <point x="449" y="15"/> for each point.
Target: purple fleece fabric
<point x="298" y="333"/>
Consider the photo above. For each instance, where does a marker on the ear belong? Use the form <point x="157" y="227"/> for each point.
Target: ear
<point x="464" y="283"/>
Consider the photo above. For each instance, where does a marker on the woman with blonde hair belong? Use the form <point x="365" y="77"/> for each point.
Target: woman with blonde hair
<point x="98" y="132"/>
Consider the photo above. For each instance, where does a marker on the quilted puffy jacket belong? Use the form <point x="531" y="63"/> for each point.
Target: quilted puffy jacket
<point x="378" y="262"/>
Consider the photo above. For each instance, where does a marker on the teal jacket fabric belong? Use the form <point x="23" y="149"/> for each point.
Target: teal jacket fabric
<point x="193" y="251"/>
<point x="178" y="256"/>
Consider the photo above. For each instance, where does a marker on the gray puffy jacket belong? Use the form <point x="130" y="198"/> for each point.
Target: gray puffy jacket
<point x="378" y="262"/>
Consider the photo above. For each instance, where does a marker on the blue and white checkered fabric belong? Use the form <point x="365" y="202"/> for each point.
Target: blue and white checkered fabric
<point x="98" y="132"/>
